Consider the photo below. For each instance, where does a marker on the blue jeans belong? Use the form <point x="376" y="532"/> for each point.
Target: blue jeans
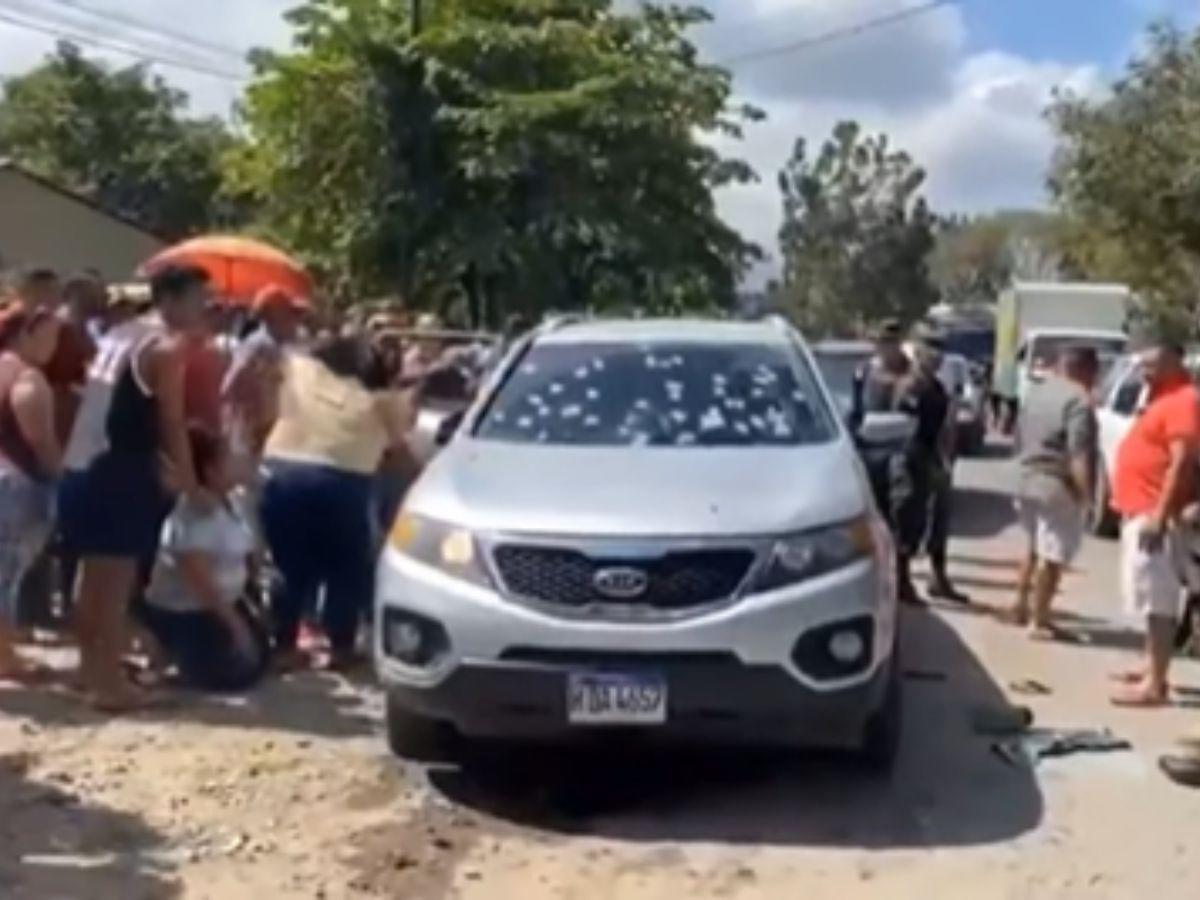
<point x="318" y="524"/>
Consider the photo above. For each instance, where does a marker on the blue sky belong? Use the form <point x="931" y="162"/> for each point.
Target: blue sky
<point x="1080" y="31"/>
<point x="963" y="88"/>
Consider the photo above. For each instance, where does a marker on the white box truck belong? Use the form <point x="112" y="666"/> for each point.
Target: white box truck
<point x="1035" y="321"/>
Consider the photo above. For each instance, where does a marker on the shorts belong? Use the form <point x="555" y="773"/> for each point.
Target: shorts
<point x="115" y="508"/>
<point x="24" y="527"/>
<point x="1151" y="583"/>
<point x="1055" y="530"/>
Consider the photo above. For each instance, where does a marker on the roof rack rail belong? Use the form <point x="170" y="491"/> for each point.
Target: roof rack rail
<point x="558" y="323"/>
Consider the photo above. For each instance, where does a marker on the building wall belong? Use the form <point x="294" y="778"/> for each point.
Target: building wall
<point x="39" y="226"/>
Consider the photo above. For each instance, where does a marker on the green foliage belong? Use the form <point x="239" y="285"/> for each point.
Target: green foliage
<point x="524" y="154"/>
<point x="856" y="235"/>
<point x="120" y="138"/>
<point x="1126" y="177"/>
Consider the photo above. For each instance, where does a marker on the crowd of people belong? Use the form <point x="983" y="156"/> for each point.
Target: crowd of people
<point x="1155" y="489"/>
<point x="152" y="455"/>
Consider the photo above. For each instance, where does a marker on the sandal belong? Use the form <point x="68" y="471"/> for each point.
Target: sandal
<point x="1139" y="699"/>
<point x="286" y="662"/>
<point x="29" y="674"/>
<point x="1015" y="616"/>
<point x="1049" y="634"/>
<point x="129" y="699"/>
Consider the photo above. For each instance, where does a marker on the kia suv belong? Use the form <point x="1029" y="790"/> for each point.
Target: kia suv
<point x="654" y="528"/>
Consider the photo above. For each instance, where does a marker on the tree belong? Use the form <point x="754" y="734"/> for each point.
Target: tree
<point x="1126" y="178"/>
<point x="532" y="154"/>
<point x="120" y="138"/>
<point x="857" y="234"/>
<point x="976" y="257"/>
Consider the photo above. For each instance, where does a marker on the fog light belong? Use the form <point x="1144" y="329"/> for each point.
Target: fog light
<point x="404" y="640"/>
<point x="846" y="647"/>
<point x="413" y="639"/>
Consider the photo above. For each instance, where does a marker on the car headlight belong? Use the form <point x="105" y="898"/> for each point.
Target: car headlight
<point x="811" y="554"/>
<point x="442" y="546"/>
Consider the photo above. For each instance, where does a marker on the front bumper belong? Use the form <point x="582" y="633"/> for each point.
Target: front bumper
<point x="730" y="672"/>
<point x="711" y="701"/>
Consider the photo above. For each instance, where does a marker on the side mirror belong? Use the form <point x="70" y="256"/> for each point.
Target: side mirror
<point x="448" y="428"/>
<point x="886" y="428"/>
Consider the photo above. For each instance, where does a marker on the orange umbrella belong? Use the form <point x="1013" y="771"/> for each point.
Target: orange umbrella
<point x="239" y="267"/>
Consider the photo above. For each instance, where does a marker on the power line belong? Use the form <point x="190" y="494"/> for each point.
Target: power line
<point x="125" y="49"/>
<point x="160" y="31"/>
<point x="837" y="34"/>
<point x="40" y="12"/>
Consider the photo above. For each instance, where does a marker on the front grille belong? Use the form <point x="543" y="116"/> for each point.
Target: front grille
<point x="676" y="581"/>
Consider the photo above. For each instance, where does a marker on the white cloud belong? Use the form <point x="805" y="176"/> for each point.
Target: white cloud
<point x="983" y="140"/>
<point x="905" y="62"/>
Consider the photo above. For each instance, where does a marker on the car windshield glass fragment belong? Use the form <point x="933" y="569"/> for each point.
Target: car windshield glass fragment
<point x="659" y="395"/>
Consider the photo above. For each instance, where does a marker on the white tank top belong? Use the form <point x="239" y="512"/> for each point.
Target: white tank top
<point x="89" y="436"/>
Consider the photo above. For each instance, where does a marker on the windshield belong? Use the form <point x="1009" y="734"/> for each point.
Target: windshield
<point x="976" y="345"/>
<point x="838" y="370"/>
<point x="660" y="395"/>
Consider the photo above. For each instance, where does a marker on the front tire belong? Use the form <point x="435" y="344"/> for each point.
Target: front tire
<point x="414" y="737"/>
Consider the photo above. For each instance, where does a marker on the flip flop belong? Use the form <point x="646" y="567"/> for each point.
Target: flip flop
<point x="1138" y="700"/>
<point x="1015" y="617"/>
<point x="30" y="675"/>
<point x="131" y="700"/>
<point x="1182" y="770"/>
<point x="1051" y="634"/>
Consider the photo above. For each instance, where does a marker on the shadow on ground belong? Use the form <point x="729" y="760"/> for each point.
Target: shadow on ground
<point x="52" y="845"/>
<point x="981" y="513"/>
<point x="319" y="705"/>
<point x="949" y="788"/>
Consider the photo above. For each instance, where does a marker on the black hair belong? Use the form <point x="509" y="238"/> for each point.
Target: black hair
<point x="82" y="285"/>
<point x="355" y="356"/>
<point x="172" y="282"/>
<point x="1080" y="359"/>
<point x="35" y="277"/>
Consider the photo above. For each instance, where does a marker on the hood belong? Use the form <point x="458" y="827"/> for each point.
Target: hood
<point x="643" y="492"/>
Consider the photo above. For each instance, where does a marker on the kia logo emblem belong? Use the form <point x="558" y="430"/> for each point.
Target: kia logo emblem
<point x="621" y="583"/>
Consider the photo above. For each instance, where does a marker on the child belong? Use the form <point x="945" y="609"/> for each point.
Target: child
<point x="195" y="605"/>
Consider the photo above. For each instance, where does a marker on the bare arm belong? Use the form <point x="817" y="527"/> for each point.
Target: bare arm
<point x="164" y="365"/>
<point x="1175" y="485"/>
<point x="399" y="413"/>
<point x="33" y="406"/>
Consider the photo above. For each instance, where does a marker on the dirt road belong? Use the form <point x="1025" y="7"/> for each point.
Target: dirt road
<point x="290" y="793"/>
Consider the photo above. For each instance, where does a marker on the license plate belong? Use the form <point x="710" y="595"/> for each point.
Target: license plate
<point x="599" y="698"/>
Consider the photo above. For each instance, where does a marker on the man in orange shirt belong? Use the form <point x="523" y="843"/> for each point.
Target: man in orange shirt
<point x="1152" y="484"/>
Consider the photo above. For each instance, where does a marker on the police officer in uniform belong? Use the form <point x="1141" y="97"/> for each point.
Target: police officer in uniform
<point x="882" y="385"/>
<point x="925" y="511"/>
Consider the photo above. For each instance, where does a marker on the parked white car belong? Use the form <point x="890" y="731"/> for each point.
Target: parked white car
<point x="1117" y="401"/>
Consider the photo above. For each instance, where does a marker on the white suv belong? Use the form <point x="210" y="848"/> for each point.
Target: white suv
<point x="659" y="528"/>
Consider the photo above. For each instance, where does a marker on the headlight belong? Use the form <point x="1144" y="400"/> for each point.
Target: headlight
<point x="813" y="553"/>
<point x="447" y="548"/>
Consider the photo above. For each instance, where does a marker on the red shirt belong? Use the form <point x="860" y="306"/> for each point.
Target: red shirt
<point x="204" y="370"/>
<point x="1143" y="458"/>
